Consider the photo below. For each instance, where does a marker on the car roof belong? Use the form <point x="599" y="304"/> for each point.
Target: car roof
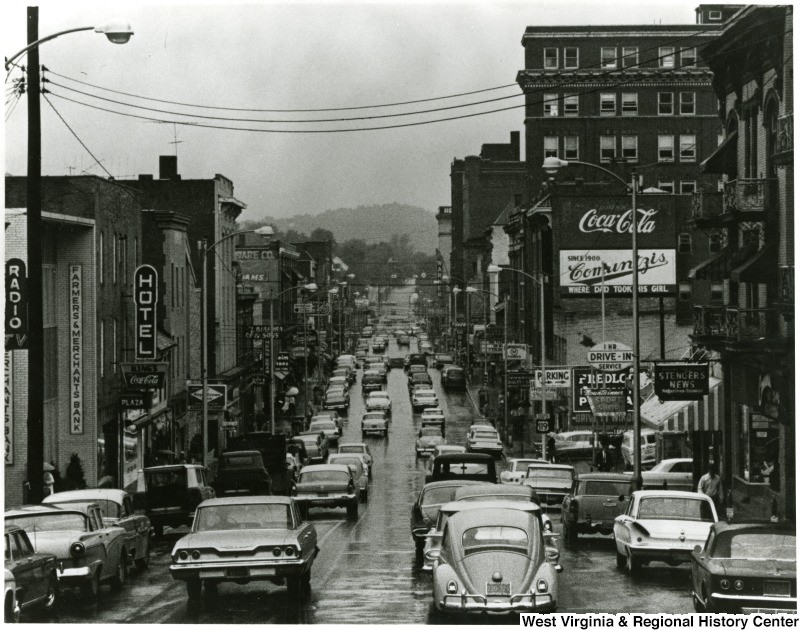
<point x="676" y="459"/>
<point x="446" y="483"/>
<point x="171" y="467"/>
<point x="642" y="494"/>
<point x="379" y="394"/>
<point x="250" y="500"/>
<point x="605" y="476"/>
<point x="532" y="460"/>
<point x="566" y="433"/>
<point x="498" y="504"/>
<point x="362" y="444"/>
<point x="551" y="467"/>
<point x="469" y="458"/>
<point x="318" y="467"/>
<point x="493" y="489"/>
<point x="28" y="510"/>
<point x="93" y="494"/>
<point x="490" y="516"/>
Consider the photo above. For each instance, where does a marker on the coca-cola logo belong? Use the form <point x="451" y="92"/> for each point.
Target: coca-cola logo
<point x="617" y="222"/>
<point x="145" y="380"/>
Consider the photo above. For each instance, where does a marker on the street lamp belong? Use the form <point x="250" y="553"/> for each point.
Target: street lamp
<point x="551" y="166"/>
<point x="118" y="33"/>
<point x="266" y="232"/>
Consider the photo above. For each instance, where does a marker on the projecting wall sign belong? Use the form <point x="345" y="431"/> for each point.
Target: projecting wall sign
<point x="76" y="409"/>
<point x="590" y="273"/>
<point x="145" y="295"/>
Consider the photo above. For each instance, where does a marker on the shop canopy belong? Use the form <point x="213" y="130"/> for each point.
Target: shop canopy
<point x="685" y="415"/>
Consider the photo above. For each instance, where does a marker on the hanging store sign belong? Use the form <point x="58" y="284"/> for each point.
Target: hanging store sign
<point x="16" y="305"/>
<point x="491" y="347"/>
<point x="144" y="375"/>
<point x="610" y="356"/>
<point x="680" y="381"/>
<point x="605" y="402"/>
<point x="282" y="362"/>
<point x="586" y="379"/>
<point x="516" y="351"/>
<point x="590" y="273"/>
<point x="519" y="380"/>
<point x="145" y="296"/>
<point x="76" y="410"/>
<point x="135" y="399"/>
<point x="8" y="393"/>
<point x="216" y="395"/>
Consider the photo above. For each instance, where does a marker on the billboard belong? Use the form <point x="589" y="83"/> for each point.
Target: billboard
<point x="257" y="265"/>
<point x="588" y="273"/>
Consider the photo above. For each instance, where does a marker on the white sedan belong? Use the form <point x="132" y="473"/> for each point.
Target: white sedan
<point x="662" y="525"/>
<point x="517" y="469"/>
<point x="379" y="401"/>
<point x="424" y="398"/>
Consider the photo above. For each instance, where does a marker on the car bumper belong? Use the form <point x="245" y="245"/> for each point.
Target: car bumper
<point x="249" y="570"/>
<point x="724" y="602"/>
<point x="335" y="406"/>
<point x="74" y="575"/>
<point x="592" y="527"/>
<point x="425" y="450"/>
<point x="368" y="428"/>
<point x="330" y="500"/>
<point x="420" y="531"/>
<point x="474" y="603"/>
<point x="669" y="554"/>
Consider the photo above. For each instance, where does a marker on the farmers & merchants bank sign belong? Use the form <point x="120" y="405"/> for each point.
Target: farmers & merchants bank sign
<point x="594" y="245"/>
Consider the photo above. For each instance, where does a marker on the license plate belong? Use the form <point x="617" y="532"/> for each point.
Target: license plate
<point x="236" y="572"/>
<point x="493" y="588"/>
<point x="777" y="588"/>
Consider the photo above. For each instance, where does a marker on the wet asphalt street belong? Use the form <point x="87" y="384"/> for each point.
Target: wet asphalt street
<point x="366" y="571"/>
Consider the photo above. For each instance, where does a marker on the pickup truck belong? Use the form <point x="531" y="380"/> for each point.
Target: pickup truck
<point x="242" y="472"/>
<point x="273" y="453"/>
<point x="464" y="466"/>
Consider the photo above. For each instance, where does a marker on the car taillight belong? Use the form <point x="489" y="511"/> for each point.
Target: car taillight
<point x="276" y="551"/>
<point x="290" y="551"/>
<point x="738" y="585"/>
<point x="77" y="549"/>
<point x="541" y="586"/>
<point x="183" y="555"/>
<point x="724" y="584"/>
<point x="195" y="554"/>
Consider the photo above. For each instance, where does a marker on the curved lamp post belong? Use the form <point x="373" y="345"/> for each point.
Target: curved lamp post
<point x="117" y="33"/>
<point x="551" y="166"/>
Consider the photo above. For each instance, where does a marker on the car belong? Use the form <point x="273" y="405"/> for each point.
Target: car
<point x="670" y="474"/>
<point x="647" y="447"/>
<point x="361" y="354"/>
<point x="517" y="468"/>
<point x="425" y="347"/>
<point x="348" y="360"/>
<point x="367" y="331"/>
<point x="34" y="576"/>
<point x="396" y="363"/>
<point x="379" y="401"/>
<point x="375" y="422"/>
<point x="336" y="400"/>
<point x="453" y="378"/>
<point x="595" y="500"/>
<point x="371" y="381"/>
<point x="428" y="439"/>
<point x="378" y="344"/>
<point x="662" y="525"/>
<point x="170" y="493"/>
<point x="345" y="371"/>
<point x="11" y="610"/>
<point x="316" y="445"/>
<point x="328" y="486"/>
<point x="88" y="553"/>
<point x="552" y="482"/>
<point x="357" y="467"/>
<point x="331" y="430"/>
<point x="426" y="507"/>
<point x="746" y="568"/>
<point x="243" y="539"/>
<point x="485" y="440"/>
<point x="419" y="378"/>
<point x="328" y="414"/>
<point x="433" y="416"/>
<point x="441" y="449"/>
<point x="417" y="367"/>
<point x="574" y="445"/>
<point x="403" y="340"/>
<point x="116" y="508"/>
<point x="495" y="560"/>
<point x="440" y="359"/>
<point x="242" y="472"/>
<point x="416" y="358"/>
<point x="470" y="466"/>
<point x="358" y="448"/>
<point x="423" y="398"/>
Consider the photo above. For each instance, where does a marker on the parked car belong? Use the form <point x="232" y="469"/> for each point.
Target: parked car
<point x="11" y="610"/>
<point x="467" y="466"/>
<point x="278" y="545"/>
<point x="416" y="358"/>
<point x="428" y="439"/>
<point x="552" y="482"/>
<point x="423" y="398"/>
<point x="330" y="428"/>
<point x="88" y="553"/>
<point x="358" y="448"/>
<point x="517" y="468"/>
<point x="495" y="560"/>
<point x="346" y="371"/>
<point x="358" y="469"/>
<point x="361" y="354"/>
<point x="419" y="378"/>
<point x="485" y="440"/>
<point x="328" y="414"/>
<point x="670" y="474"/>
<point x="242" y="472"/>
<point x="397" y="363"/>
<point x="441" y="359"/>
<point x="35" y="576"/>
<point x="662" y="525"/>
<point x="426" y="508"/>
<point x="336" y="399"/>
<point x="371" y="381"/>
<point x="169" y="494"/>
<point x="375" y="422"/>
<point x="379" y="401"/>
<point x="746" y="568"/>
<point x="316" y="445"/>
<point x="116" y="508"/>
<point x="328" y="486"/>
<point x="647" y="447"/>
<point x="453" y="378"/>
<point x="574" y="445"/>
<point x="595" y="501"/>
<point x="403" y="340"/>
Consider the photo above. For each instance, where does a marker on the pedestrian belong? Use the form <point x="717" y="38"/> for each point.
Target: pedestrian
<point x="603" y="459"/>
<point x="710" y="484"/>
<point x="551" y="448"/>
<point x="49" y="483"/>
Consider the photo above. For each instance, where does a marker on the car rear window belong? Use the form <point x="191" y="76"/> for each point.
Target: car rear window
<point x="605" y="488"/>
<point x="240" y="461"/>
<point x="494" y="535"/>
<point x="430" y="431"/>
<point x="549" y="473"/>
<point x="676" y="508"/>
<point x="108" y="509"/>
<point x="319" y="476"/>
<point x="49" y="522"/>
<point x="438" y="496"/>
<point x="765" y="545"/>
<point x="162" y="478"/>
<point x="243" y="516"/>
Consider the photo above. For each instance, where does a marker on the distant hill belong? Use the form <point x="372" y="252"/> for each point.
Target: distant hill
<point x="372" y="223"/>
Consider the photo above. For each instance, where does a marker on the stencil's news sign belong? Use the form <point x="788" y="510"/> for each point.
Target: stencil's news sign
<point x="681" y="381"/>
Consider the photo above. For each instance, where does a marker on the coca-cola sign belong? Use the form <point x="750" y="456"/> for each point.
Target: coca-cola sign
<point x="617" y="222"/>
<point x="144" y="375"/>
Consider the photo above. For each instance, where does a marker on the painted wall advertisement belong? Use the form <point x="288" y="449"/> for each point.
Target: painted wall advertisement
<point x="258" y="264"/>
<point x="594" y="245"/>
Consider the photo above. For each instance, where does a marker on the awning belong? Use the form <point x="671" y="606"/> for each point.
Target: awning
<point x="723" y="159"/>
<point x="164" y="341"/>
<point x="685" y="415"/>
<point x="758" y="268"/>
<point x="706" y="268"/>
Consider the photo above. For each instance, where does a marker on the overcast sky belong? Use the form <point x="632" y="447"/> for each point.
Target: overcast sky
<point x="287" y="56"/>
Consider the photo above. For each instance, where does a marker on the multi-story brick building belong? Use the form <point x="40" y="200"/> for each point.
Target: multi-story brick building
<point x="743" y="295"/>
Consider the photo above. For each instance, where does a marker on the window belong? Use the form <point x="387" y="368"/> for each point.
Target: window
<point x="666" y="186"/>
<point x="100" y="261"/>
<point x="571" y="148"/>
<point x="550" y="102"/>
<point x="630" y="104"/>
<point x="135" y="251"/>
<point x="608" y="58"/>
<point x="550" y="146"/>
<point x="102" y="348"/>
<point x="630" y="148"/>
<point x="666" y="57"/>
<point x="688" y="187"/>
<point x="687" y="103"/>
<point x="717" y="291"/>
<point x="687" y="148"/>
<point x="688" y="57"/>
<point x="570" y="57"/>
<point x="714" y="243"/>
<point x="685" y="243"/>
<point x="685" y="292"/>
<point x="551" y="58"/>
<point x="114" y="346"/>
<point x="571" y="105"/>
<point x="630" y="56"/>
<point x="608" y="148"/>
<point x="666" y="149"/>
<point x="114" y="259"/>
<point x="715" y="15"/>
<point x="608" y="104"/>
<point x="665" y="103"/>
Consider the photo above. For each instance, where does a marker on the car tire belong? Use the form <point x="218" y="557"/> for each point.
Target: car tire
<point x="352" y="510"/>
<point x="53" y="594"/>
<point x="570" y="535"/>
<point x="633" y="564"/>
<point x="158" y="530"/>
<point x="90" y="590"/>
<point x="194" y="588"/>
<point x="363" y="434"/>
<point x="144" y="562"/>
<point x="698" y="606"/>
<point x="121" y="574"/>
<point x="621" y="561"/>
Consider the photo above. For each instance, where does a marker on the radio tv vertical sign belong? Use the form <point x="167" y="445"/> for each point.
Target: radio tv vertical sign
<point x="16" y="305"/>
<point x="76" y="406"/>
<point x="145" y="296"/>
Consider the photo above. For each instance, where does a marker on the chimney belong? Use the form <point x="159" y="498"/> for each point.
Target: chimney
<point x="515" y="145"/>
<point x="168" y="167"/>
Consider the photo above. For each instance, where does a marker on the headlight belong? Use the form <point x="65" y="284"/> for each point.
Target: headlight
<point x="195" y="554"/>
<point x="738" y="585"/>
<point x="183" y="554"/>
<point x="77" y="549"/>
<point x="724" y="584"/>
<point x="541" y="586"/>
<point x="452" y="587"/>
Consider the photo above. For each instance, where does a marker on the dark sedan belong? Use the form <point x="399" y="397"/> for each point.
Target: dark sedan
<point x="34" y="573"/>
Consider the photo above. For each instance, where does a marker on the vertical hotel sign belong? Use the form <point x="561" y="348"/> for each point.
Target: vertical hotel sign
<point x="145" y="295"/>
<point x="76" y="409"/>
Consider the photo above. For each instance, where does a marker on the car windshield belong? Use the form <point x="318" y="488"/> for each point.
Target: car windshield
<point x="379" y="397"/>
<point x="599" y="487"/>
<point x="50" y="522"/>
<point x="243" y="516"/>
<point x="521" y="465"/>
<point x="323" y="476"/>
<point x="496" y="496"/>
<point x="322" y="424"/>
<point x="550" y="473"/>
<point x="676" y="509"/>
<point x="241" y="461"/>
<point x="764" y="545"/>
<point x="163" y="478"/>
<point x="425" y="393"/>
<point x="372" y="377"/>
<point x="344" y="461"/>
<point x="485" y="435"/>
<point x="430" y="432"/>
<point x="465" y="469"/>
<point x="438" y="496"/>
<point x="494" y="535"/>
<point x="109" y="509"/>
<point x="334" y="396"/>
<point x="374" y="415"/>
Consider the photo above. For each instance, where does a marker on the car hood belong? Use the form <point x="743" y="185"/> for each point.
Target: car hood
<point x="57" y="543"/>
<point x="477" y="568"/>
<point x="240" y="539"/>
<point x="658" y="528"/>
<point x="755" y="567"/>
<point x="320" y="486"/>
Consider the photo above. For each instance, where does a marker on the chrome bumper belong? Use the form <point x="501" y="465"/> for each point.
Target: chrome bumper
<point x="246" y="569"/>
<point x="472" y="602"/>
<point x="74" y="573"/>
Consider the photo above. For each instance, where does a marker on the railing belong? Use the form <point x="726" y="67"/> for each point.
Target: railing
<point x="706" y="204"/>
<point x="709" y="321"/>
<point x="746" y="195"/>
<point x="751" y="324"/>
<point x="786" y="284"/>
<point x="785" y="140"/>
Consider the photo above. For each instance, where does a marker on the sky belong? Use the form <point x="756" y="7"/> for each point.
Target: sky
<point x="299" y="56"/>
